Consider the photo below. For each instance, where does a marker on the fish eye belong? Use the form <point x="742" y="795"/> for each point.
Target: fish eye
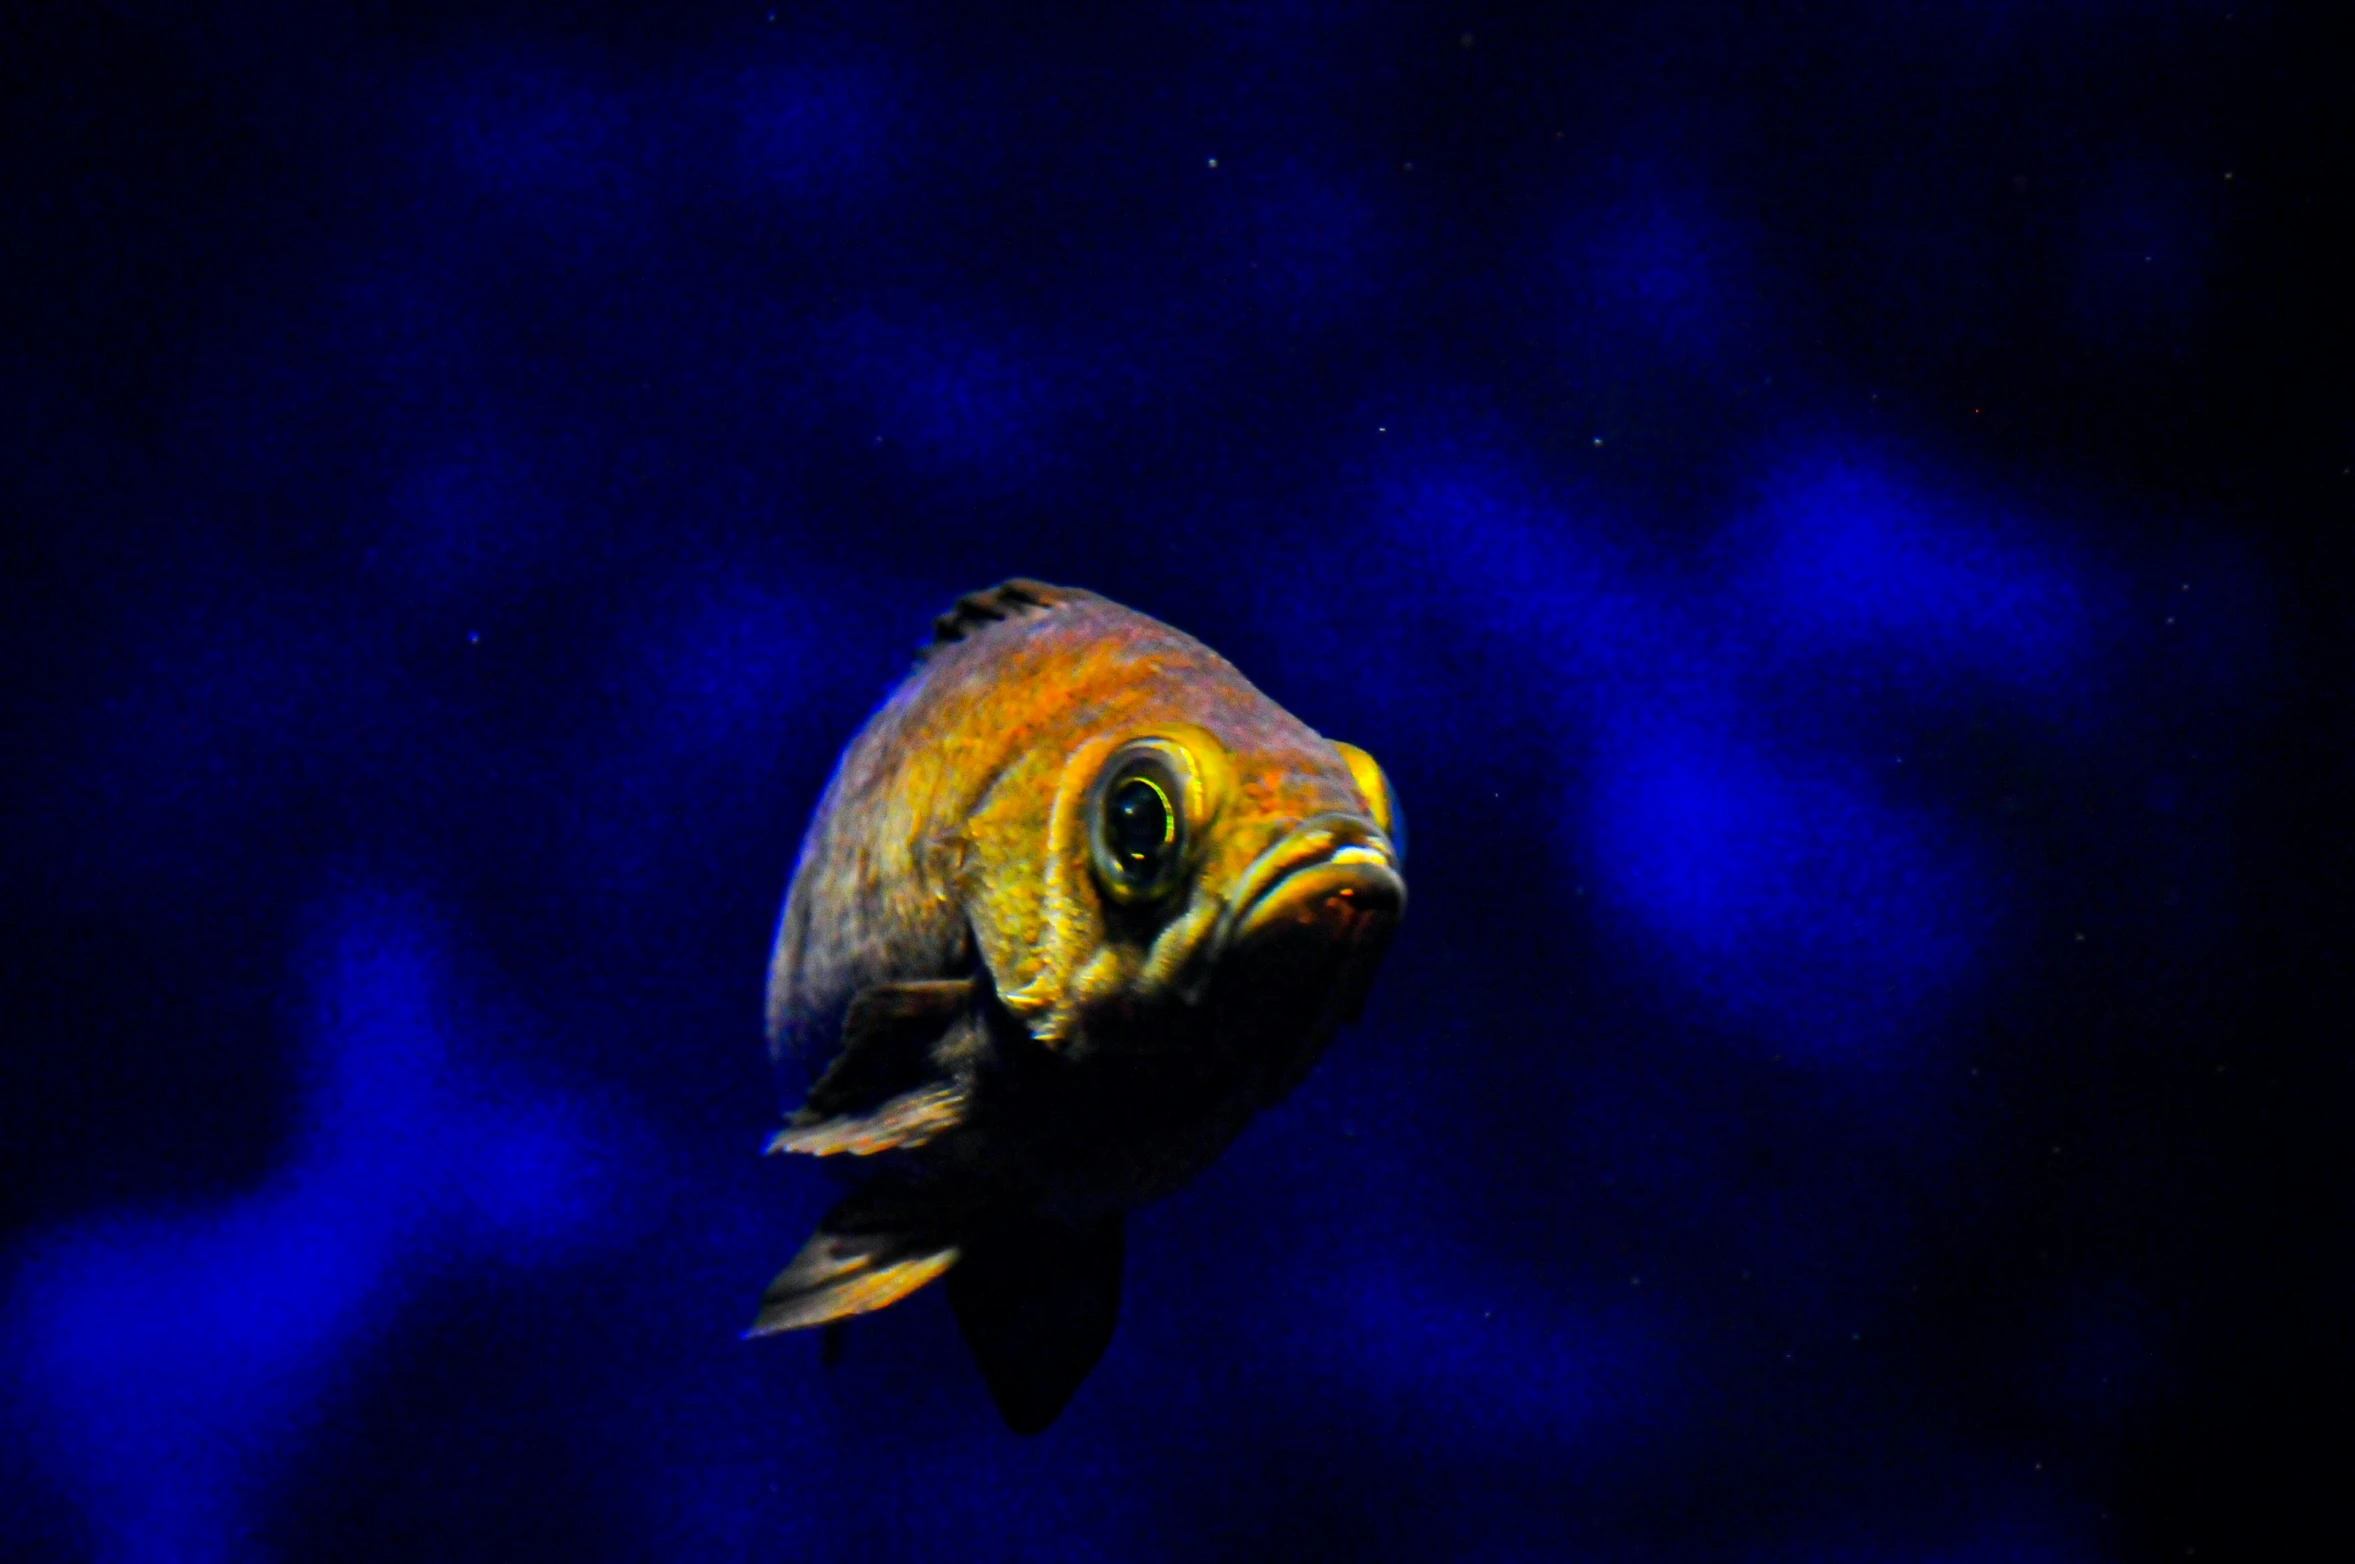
<point x="1141" y="827"/>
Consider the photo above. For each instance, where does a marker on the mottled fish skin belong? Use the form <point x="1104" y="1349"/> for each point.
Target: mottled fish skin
<point x="1009" y="1036"/>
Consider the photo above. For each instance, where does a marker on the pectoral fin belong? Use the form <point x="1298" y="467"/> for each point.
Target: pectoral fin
<point x="883" y="1091"/>
<point x="1037" y="1302"/>
<point x="871" y="1250"/>
<point x="904" y="1121"/>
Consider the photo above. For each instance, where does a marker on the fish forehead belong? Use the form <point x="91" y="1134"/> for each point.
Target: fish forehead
<point x="1032" y="695"/>
<point x="1026" y="713"/>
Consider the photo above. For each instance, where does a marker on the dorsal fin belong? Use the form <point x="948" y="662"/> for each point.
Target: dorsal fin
<point x="978" y="610"/>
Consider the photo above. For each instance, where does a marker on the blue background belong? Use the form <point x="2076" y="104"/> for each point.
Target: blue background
<point x="1836" y="518"/>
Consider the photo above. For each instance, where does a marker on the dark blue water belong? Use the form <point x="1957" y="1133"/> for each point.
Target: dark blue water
<point x="1834" y="518"/>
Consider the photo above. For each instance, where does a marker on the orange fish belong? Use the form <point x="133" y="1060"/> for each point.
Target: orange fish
<point x="1078" y="902"/>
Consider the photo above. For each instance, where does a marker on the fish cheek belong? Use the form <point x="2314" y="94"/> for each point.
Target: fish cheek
<point x="1175" y="963"/>
<point x="1035" y="905"/>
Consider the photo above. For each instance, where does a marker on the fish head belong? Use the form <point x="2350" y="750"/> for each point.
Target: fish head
<point x="1233" y="870"/>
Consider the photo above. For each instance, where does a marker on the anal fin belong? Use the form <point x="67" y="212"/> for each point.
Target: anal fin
<point x="1037" y="1301"/>
<point x="871" y="1250"/>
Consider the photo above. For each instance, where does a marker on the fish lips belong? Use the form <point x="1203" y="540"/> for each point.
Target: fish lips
<point x="1329" y="890"/>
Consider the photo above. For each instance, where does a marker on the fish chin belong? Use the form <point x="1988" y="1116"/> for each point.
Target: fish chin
<point x="1222" y="1016"/>
<point x="1334" y="873"/>
<point x="1311" y="919"/>
<point x="1344" y="900"/>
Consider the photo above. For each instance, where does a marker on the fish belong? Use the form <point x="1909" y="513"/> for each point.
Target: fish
<point x="1076" y="905"/>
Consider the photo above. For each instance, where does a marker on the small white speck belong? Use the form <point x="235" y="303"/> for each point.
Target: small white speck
<point x="2080" y="939"/>
<point x="2228" y="173"/>
<point x="2170" y="618"/>
<point x="1381" y="428"/>
<point x="1213" y="162"/>
<point x="1598" y="439"/>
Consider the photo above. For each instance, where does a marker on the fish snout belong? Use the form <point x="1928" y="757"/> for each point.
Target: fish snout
<point x="1333" y="878"/>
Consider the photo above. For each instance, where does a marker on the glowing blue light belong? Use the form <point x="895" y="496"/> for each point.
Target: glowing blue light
<point x="1503" y="1367"/>
<point x="1772" y="881"/>
<point x="465" y="515"/>
<point x="1788" y="894"/>
<point x="1665" y="265"/>
<point x="966" y="399"/>
<point x="177" y="1356"/>
<point x="734" y="663"/>
<point x="517" y="125"/>
<point x="1856" y="559"/>
<point x="1314" y="252"/>
<point x="802" y="129"/>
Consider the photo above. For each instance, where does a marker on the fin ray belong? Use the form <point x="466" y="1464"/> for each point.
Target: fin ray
<point x="903" y="1123"/>
<point x="869" y="1251"/>
<point x="976" y="611"/>
<point x="884" y="1090"/>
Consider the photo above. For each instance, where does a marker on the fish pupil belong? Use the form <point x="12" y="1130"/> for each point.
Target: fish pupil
<point x="1141" y="826"/>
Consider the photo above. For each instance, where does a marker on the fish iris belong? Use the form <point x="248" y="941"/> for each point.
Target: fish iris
<point x="1141" y="827"/>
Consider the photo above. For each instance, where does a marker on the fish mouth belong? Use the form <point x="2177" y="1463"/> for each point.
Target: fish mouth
<point x="1335" y="875"/>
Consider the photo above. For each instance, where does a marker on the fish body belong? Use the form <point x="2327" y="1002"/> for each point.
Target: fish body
<point x="1078" y="902"/>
